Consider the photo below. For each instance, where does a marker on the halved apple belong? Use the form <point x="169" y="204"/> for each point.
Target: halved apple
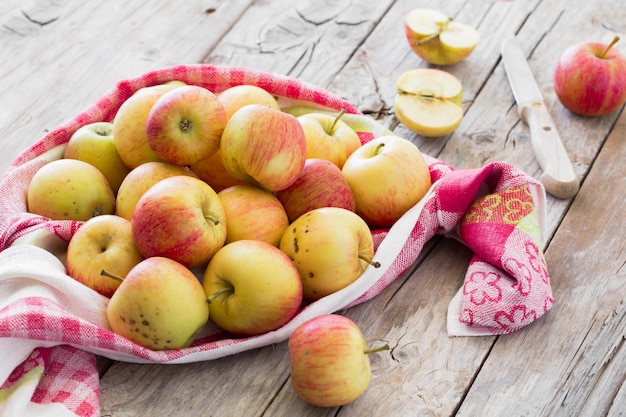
<point x="429" y="101"/>
<point x="438" y="39"/>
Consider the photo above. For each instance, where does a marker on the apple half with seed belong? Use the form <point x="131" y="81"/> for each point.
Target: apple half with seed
<point x="429" y="101"/>
<point x="437" y="38"/>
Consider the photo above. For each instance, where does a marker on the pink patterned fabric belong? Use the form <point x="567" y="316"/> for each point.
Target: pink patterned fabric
<point x="496" y="210"/>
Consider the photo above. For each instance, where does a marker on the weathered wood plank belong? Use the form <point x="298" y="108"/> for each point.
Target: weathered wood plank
<point x="52" y="71"/>
<point x="240" y="385"/>
<point x="572" y="360"/>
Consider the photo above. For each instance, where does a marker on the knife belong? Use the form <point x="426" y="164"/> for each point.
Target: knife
<point x="558" y="178"/>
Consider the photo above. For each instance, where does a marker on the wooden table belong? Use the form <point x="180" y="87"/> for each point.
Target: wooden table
<point x="56" y="57"/>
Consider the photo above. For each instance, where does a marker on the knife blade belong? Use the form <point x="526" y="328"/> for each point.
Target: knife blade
<point x="558" y="177"/>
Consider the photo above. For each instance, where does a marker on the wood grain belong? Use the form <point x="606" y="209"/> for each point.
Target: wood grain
<point x="56" y="57"/>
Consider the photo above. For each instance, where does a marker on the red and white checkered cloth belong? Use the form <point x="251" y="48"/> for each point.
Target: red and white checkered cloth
<point x="50" y="325"/>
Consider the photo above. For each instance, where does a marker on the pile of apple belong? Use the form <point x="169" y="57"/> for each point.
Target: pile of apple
<point x="199" y="205"/>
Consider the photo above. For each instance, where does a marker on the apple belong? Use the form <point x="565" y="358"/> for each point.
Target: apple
<point x="234" y="98"/>
<point x="102" y="242"/>
<point x="94" y="144"/>
<point x="129" y="128"/>
<point x="211" y="170"/>
<point x="69" y="189"/>
<point x="160" y="305"/>
<point x="328" y="137"/>
<point x="320" y="184"/>
<point x="388" y="176"/>
<point x="437" y="38"/>
<point x="185" y="124"/>
<point x="252" y="288"/>
<point x="590" y="78"/>
<point x="140" y="179"/>
<point x="181" y="218"/>
<point x="253" y="213"/>
<point x="329" y="361"/>
<point x="331" y="247"/>
<point x="164" y="87"/>
<point x="429" y="101"/>
<point x="263" y="146"/>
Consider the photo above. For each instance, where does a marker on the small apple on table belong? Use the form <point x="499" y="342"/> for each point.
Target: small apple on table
<point x="329" y="361"/>
<point x="590" y="78"/>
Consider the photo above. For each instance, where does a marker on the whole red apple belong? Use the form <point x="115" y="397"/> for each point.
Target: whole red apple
<point x="263" y="146"/>
<point x="180" y="218"/>
<point x="590" y="78"/>
<point x="185" y="124"/>
<point x="320" y="184"/>
<point x="329" y="361"/>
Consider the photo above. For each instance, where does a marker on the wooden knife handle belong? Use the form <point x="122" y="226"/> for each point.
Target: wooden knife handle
<point x="559" y="178"/>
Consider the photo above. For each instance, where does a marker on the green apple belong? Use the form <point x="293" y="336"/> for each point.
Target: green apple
<point x="320" y="184"/>
<point x="181" y="218"/>
<point x="263" y="146"/>
<point x="211" y="170"/>
<point x="253" y="213"/>
<point x="331" y="247"/>
<point x="388" y="176"/>
<point x="252" y="288"/>
<point x="102" y="242"/>
<point x="185" y="125"/>
<point x="329" y="361"/>
<point x="139" y="180"/>
<point x="69" y="189"/>
<point x="429" y="101"/>
<point x="160" y="305"/>
<point x="437" y="38"/>
<point x="234" y="98"/>
<point x="328" y="137"/>
<point x="94" y="144"/>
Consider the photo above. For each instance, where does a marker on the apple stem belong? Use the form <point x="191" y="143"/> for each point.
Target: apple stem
<point x="369" y="261"/>
<point x="212" y="220"/>
<point x="341" y="113"/>
<point x="376" y="350"/>
<point x="218" y="293"/>
<point x="609" y="46"/>
<point x="108" y="274"/>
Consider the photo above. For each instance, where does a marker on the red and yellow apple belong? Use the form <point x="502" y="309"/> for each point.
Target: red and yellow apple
<point x="329" y="361"/>
<point x="185" y="125"/>
<point x="181" y="218"/>
<point x="263" y="146"/>
<point x="388" y="176"/>
<point x="320" y="184"/>
<point x="140" y="179"/>
<point x="234" y="98"/>
<point x="129" y="125"/>
<point x="69" y="189"/>
<point x="102" y="242"/>
<point x="252" y="288"/>
<point x="160" y="305"/>
<point x="211" y="170"/>
<point x="253" y="213"/>
<point x="328" y="137"/>
<point x="331" y="247"/>
<point x="590" y="78"/>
